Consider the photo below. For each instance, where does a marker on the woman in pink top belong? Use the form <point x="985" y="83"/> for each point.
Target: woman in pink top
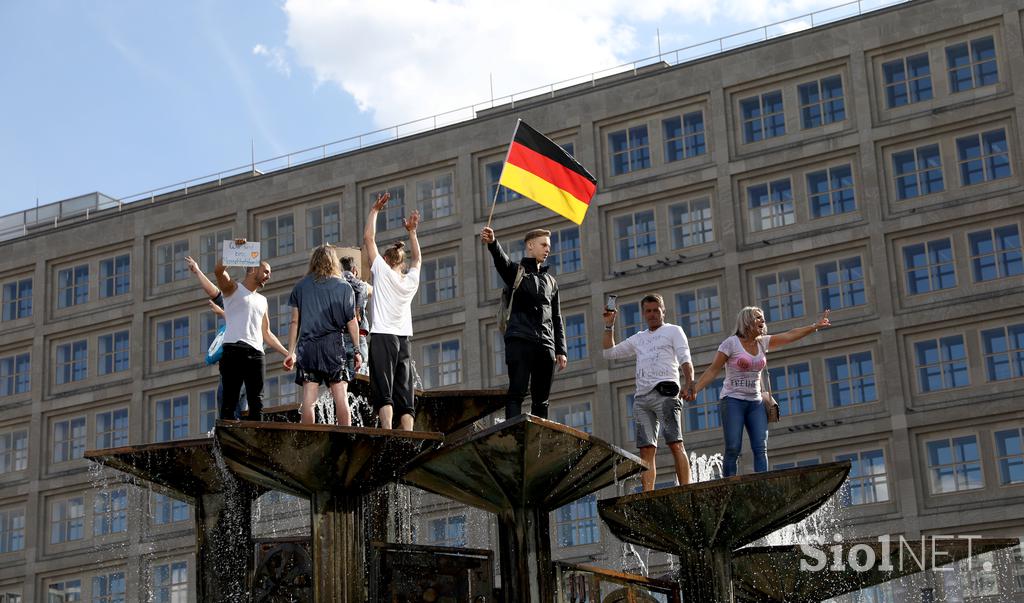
<point x="743" y="356"/>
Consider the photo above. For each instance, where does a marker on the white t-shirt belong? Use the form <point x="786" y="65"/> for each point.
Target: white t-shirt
<point x="743" y="371"/>
<point x="243" y="317"/>
<point x="392" y="297"/>
<point x="658" y="355"/>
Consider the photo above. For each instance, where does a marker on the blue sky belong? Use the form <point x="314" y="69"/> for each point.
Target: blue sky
<point x="122" y="97"/>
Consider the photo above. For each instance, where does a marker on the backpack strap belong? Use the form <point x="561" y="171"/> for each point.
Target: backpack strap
<point x="520" y="271"/>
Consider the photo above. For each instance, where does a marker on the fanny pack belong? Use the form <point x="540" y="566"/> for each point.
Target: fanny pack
<point x="668" y="389"/>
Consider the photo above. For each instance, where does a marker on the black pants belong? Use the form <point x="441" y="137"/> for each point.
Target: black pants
<point x="391" y="374"/>
<point x="529" y="365"/>
<point x="242" y="364"/>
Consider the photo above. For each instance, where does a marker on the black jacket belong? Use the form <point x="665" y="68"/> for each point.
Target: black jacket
<point x="536" y="315"/>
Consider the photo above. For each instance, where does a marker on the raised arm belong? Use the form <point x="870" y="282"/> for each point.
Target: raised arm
<point x="798" y="333"/>
<point x="411" y="223"/>
<point x="227" y="286"/>
<point x="204" y="282"/>
<point x="370" y="230"/>
<point x="506" y="269"/>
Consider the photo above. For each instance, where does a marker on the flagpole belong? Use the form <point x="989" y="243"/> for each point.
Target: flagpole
<point x="497" y="188"/>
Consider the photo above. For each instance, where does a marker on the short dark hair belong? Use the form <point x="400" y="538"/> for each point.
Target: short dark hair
<point x="653" y="298"/>
<point x="536" y="233"/>
<point x="347" y="262"/>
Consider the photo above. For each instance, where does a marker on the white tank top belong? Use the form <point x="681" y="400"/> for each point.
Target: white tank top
<point x="243" y="314"/>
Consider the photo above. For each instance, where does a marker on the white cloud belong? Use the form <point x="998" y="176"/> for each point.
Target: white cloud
<point x="276" y="58"/>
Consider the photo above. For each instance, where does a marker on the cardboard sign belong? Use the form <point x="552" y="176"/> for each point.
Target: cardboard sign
<point x="247" y="254"/>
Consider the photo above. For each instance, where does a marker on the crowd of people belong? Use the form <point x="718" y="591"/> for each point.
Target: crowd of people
<point x="332" y="339"/>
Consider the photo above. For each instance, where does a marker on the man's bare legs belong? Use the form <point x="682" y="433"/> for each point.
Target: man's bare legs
<point x="647" y="454"/>
<point x="682" y="462"/>
<point x="310" y="392"/>
<point x="341" y="412"/>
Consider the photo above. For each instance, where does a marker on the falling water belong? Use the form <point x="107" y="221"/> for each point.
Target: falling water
<point x="704" y="468"/>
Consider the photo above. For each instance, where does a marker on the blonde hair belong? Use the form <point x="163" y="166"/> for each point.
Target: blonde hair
<point x="745" y="321"/>
<point x="323" y="263"/>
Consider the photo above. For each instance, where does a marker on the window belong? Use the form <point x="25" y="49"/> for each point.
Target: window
<point x="170" y="262"/>
<point x="941" y="363"/>
<point x="109" y="588"/>
<point x="17" y="299"/>
<point x="631" y="150"/>
<point x="170" y="582"/>
<point x="929" y="266"/>
<point x="954" y="465"/>
<point x="497" y="350"/>
<point x="280" y="389"/>
<point x="702" y="413"/>
<point x="323" y="225"/>
<point x="210" y="248"/>
<point x="918" y="172"/>
<point x="280" y="314"/>
<point x="72" y="362"/>
<point x="763" y="117"/>
<point x="64" y="591"/>
<point x="68" y="439"/>
<point x="115" y="352"/>
<point x="166" y="510"/>
<point x="851" y="379"/>
<point x="67" y="520"/>
<point x="393" y="214"/>
<point x="493" y="188"/>
<point x="15" y="374"/>
<point x="565" y="254"/>
<point x="630" y="319"/>
<point x="635" y="235"/>
<point x="575" y="337"/>
<point x="171" y="419"/>
<point x="115" y="276"/>
<point x="907" y="80"/>
<point x="684" y="137"/>
<point x="830" y="191"/>
<point x="210" y="323"/>
<point x="73" y="286"/>
<point x="514" y="250"/>
<point x="576" y="522"/>
<point x="442" y="363"/>
<point x="780" y="295"/>
<point x="821" y="102"/>
<point x="983" y="157"/>
<point x="439" y="278"/>
<point x="972" y="64"/>
<point x="794" y="464"/>
<point x="172" y="339"/>
<point x="577" y="416"/>
<point x="996" y="253"/>
<point x="209" y="410"/>
<point x="867" y="483"/>
<point x="13" y="451"/>
<point x="691" y="223"/>
<point x="12" y="530"/>
<point x="841" y="284"/>
<point x="434" y="196"/>
<point x="771" y="205"/>
<point x="791" y="387"/>
<point x="1003" y="348"/>
<point x="1010" y="456"/>
<point x="448" y="531"/>
<point x="110" y="512"/>
<point x="277" y="236"/>
<point x="112" y="428"/>
<point x="699" y="311"/>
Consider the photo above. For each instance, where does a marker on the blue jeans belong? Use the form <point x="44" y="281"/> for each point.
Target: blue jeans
<point x="737" y="414"/>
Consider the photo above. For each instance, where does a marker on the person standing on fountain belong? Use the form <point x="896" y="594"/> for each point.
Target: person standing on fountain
<point x="323" y="309"/>
<point x="247" y="327"/>
<point x="661" y="352"/>
<point x="743" y="355"/>
<point x="363" y="290"/>
<point x="535" y="335"/>
<point x="391" y="374"/>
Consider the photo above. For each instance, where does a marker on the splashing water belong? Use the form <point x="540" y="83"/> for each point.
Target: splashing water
<point x="704" y="468"/>
<point x="632" y="562"/>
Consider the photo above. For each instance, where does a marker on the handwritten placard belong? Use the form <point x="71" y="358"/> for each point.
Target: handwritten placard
<point x="246" y="254"/>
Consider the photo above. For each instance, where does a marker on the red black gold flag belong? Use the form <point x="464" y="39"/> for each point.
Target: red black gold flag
<point x="541" y="170"/>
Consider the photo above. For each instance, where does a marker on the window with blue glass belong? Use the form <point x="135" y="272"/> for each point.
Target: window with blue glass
<point x="907" y="80"/>
<point x="166" y="510"/>
<point x="983" y="157"/>
<point x="439" y="279"/>
<point x="684" y="136"/>
<point x="771" y="205"/>
<point x="170" y="258"/>
<point x="448" y="531"/>
<point x="791" y="388"/>
<point x="780" y="295"/>
<point x="565" y="256"/>
<point x="1003" y="348"/>
<point x="841" y="284"/>
<point x="972" y="64"/>
<point x="576" y="523"/>
<point x="111" y="428"/>
<point x="172" y="339"/>
<point x="1010" y="456"/>
<point x="996" y="253"/>
<point x="954" y="464"/>
<point x="691" y="223"/>
<point x="630" y="319"/>
<point x="115" y="276"/>
<point x="393" y="214"/>
<point x="699" y="311"/>
<point x="72" y="362"/>
<point x="172" y="416"/>
<point x="702" y="413"/>
<point x="918" y="172"/>
<point x="114" y="352"/>
<point x="794" y="464"/>
<point x="110" y="512"/>
<point x="17" y="299"/>
<point x="578" y="416"/>
<point x="851" y="379"/>
<point x="109" y="588"/>
<point x="73" y="286"/>
<point x="822" y="102"/>
<point x="630" y="150"/>
<point x="504" y="195"/>
<point x="831" y="191"/>
<point x="867" y="482"/>
<point x="635" y="235"/>
<point x="929" y="266"/>
<point x="575" y="337"/>
<point x="442" y="363"/>
<point x="763" y="116"/>
<point x="941" y="363"/>
<point x="15" y="374"/>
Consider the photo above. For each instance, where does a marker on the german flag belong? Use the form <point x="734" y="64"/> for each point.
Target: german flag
<point x="541" y="170"/>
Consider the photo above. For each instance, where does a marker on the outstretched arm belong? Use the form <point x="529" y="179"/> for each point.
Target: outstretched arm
<point x="411" y="223"/>
<point x="798" y="333"/>
<point x="370" y="230"/>
<point x="710" y="374"/>
<point x="204" y="282"/>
